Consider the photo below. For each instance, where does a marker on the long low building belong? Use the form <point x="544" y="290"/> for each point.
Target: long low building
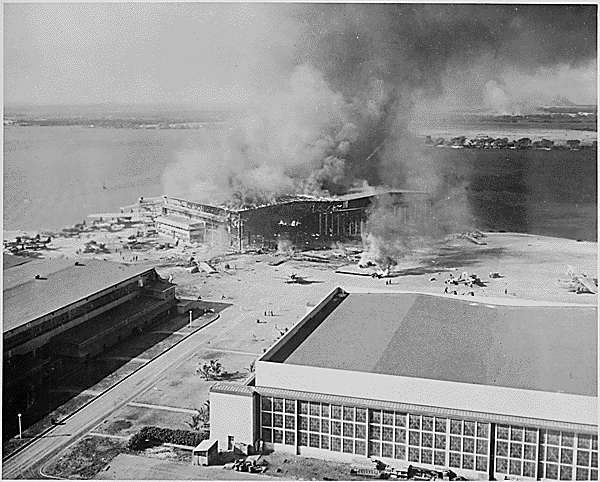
<point x="56" y="308"/>
<point x="484" y="387"/>
<point x="178" y="227"/>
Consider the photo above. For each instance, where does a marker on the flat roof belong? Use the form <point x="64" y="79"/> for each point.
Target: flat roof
<point x="26" y="298"/>
<point x="545" y="348"/>
<point x="379" y="192"/>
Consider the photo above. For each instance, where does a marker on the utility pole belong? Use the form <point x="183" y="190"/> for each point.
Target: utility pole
<point x="20" y="432"/>
<point x="190" y="319"/>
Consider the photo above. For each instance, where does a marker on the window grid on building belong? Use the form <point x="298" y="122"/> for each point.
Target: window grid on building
<point x="516" y="450"/>
<point x="278" y="420"/>
<point x="468" y="445"/>
<point x="424" y="439"/>
<point x="568" y="455"/>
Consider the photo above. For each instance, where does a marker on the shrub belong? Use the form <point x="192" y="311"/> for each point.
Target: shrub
<point x="148" y="436"/>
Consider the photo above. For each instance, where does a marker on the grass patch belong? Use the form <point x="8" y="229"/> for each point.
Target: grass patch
<point x="86" y="458"/>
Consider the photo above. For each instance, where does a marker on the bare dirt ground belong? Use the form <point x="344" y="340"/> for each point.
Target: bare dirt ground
<point x="251" y="287"/>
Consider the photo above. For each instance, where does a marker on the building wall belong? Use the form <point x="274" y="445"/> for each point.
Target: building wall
<point x="232" y="415"/>
<point x="475" y="449"/>
<point x="452" y="395"/>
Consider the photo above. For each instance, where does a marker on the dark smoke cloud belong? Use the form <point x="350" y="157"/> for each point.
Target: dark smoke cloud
<point x="337" y="88"/>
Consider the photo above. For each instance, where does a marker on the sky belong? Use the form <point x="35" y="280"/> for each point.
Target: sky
<point x="241" y="53"/>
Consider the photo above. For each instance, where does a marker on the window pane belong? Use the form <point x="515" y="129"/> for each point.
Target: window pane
<point x="551" y="454"/>
<point x="290" y="438"/>
<point x="413" y="438"/>
<point x="502" y="448"/>
<point x="348" y="445"/>
<point x="454" y="460"/>
<point x="325" y="442"/>
<point x="481" y="464"/>
<point x="290" y="406"/>
<point x="551" y="471"/>
<point x="303" y="407"/>
<point x="290" y="421"/>
<point x="595" y="459"/>
<point x="266" y="403"/>
<point x="482" y="430"/>
<point x="336" y="412"/>
<point x="515" y="467"/>
<point x="315" y="409"/>
<point x="277" y="436"/>
<point x="516" y="450"/>
<point x="468" y="445"/>
<point x="583" y="458"/>
<point x="414" y="421"/>
<point x="583" y="441"/>
<point x="501" y="465"/>
<point x="388" y="418"/>
<point x="266" y="419"/>
<point x="360" y="431"/>
<point x="400" y="452"/>
<point x="482" y="447"/>
<point x="360" y="447"/>
<point x="553" y="438"/>
<point x="455" y="444"/>
<point x="278" y="404"/>
<point x="427" y="440"/>
<point x="266" y="435"/>
<point x="469" y="429"/>
<point x="325" y="410"/>
<point x="566" y="456"/>
<point x="426" y="456"/>
<point x="314" y="424"/>
<point x="278" y="420"/>
<point x="336" y="444"/>
<point x="387" y="450"/>
<point x="314" y="440"/>
<point x="502" y="432"/>
<point x="303" y="423"/>
<point x="531" y="435"/>
<point x="349" y="414"/>
<point x="593" y="474"/>
<point x="439" y="458"/>
<point x="427" y="424"/>
<point x="375" y="448"/>
<point x="348" y="429"/>
<point x="582" y="474"/>
<point x="594" y="442"/>
<point x="566" y="473"/>
<point x="336" y="428"/>
<point x="375" y="416"/>
<point x="529" y="452"/>
<point x="440" y="441"/>
<point x="361" y="415"/>
<point x="324" y="425"/>
<point x="456" y="427"/>
<point x="567" y="439"/>
<point x="400" y="419"/>
<point x="516" y="433"/>
<point x="375" y="432"/>
<point x="468" y="462"/>
<point x="400" y="435"/>
<point x="529" y="469"/>
<point x="387" y="434"/>
<point x="413" y="454"/>
<point x="440" y="425"/>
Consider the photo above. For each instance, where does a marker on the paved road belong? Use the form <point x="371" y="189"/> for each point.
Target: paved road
<point x="41" y="451"/>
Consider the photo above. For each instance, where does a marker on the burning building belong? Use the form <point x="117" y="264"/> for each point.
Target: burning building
<point x="300" y="220"/>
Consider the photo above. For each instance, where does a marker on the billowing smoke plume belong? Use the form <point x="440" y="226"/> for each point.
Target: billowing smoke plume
<point x="336" y="89"/>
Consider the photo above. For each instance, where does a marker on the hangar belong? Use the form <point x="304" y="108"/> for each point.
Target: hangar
<point x="490" y="388"/>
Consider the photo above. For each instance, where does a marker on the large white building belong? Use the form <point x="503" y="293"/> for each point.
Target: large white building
<point x="487" y="388"/>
